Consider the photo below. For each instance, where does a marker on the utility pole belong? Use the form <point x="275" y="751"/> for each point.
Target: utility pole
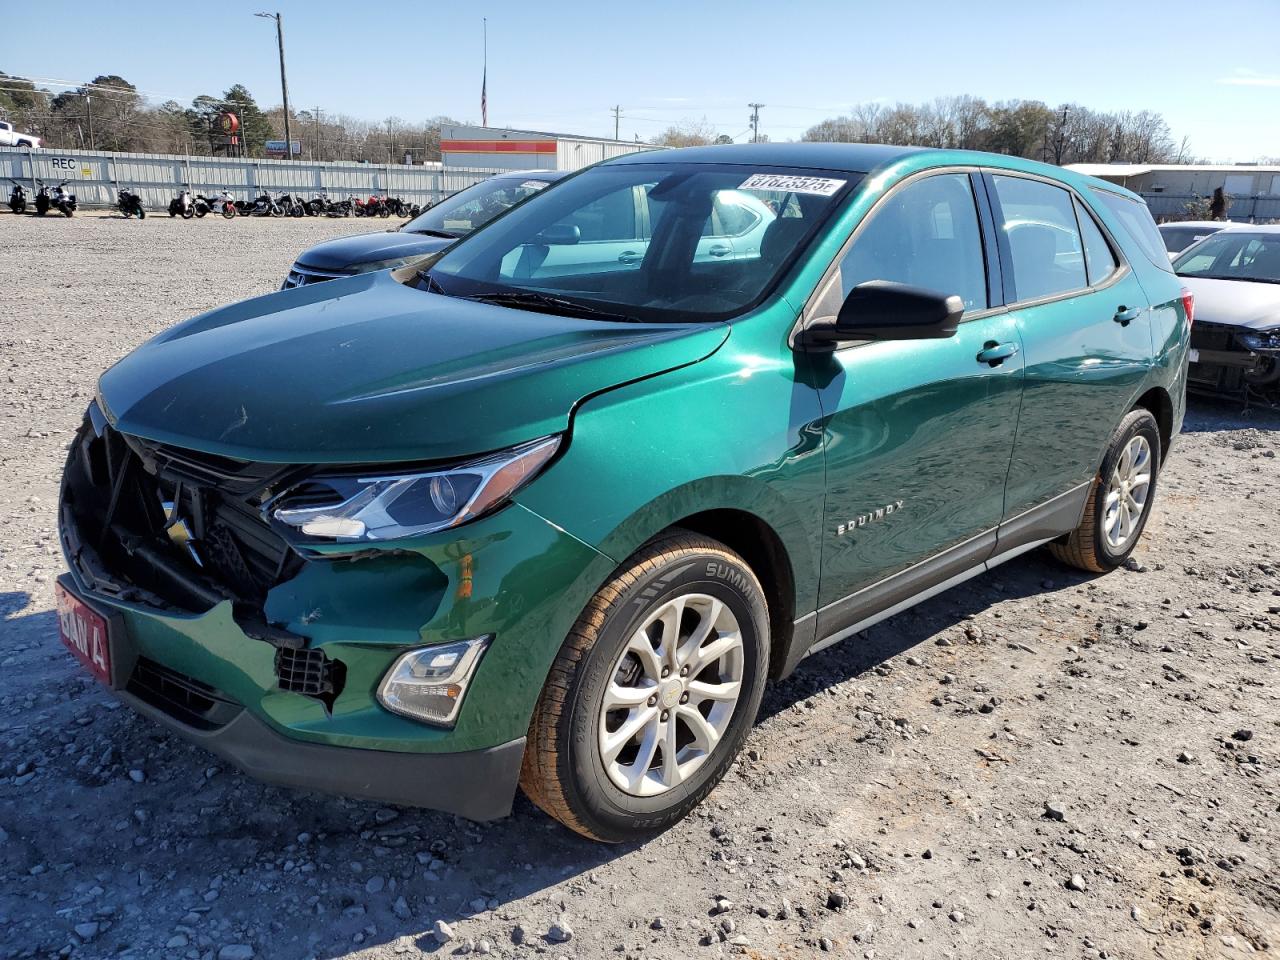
<point x="88" y="105"/>
<point x="284" y="84"/>
<point x="316" y="116"/>
<point x="617" y="119"/>
<point x="755" y="121"/>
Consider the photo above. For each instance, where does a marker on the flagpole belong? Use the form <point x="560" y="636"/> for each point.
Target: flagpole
<point x="484" y="82"/>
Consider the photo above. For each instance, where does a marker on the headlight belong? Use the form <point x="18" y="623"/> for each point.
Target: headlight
<point x="1260" y="341"/>
<point x="428" y="684"/>
<point x="406" y="505"/>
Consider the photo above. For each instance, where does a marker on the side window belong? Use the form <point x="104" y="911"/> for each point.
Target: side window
<point x="1136" y="220"/>
<point x="1099" y="259"/>
<point x="731" y="215"/>
<point x="926" y="235"/>
<point x="1040" y="224"/>
<point x="611" y="217"/>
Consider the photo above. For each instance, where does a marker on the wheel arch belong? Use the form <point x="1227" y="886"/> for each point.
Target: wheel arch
<point x="764" y="552"/>
<point x="1159" y="404"/>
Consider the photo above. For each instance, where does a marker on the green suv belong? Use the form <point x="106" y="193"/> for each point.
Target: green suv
<point x="524" y="514"/>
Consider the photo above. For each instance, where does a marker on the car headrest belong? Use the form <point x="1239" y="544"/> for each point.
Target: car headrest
<point x="781" y="237"/>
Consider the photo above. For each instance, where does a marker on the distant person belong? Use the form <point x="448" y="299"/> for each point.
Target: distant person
<point x="1218" y="205"/>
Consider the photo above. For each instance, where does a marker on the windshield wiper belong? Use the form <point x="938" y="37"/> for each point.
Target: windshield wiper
<point x="546" y="303"/>
<point x="445" y="234"/>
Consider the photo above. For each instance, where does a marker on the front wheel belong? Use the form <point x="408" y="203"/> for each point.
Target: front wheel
<point x="1120" y="500"/>
<point x="653" y="692"/>
<point x="142" y="214"/>
<point x="68" y="210"/>
<point x="229" y="211"/>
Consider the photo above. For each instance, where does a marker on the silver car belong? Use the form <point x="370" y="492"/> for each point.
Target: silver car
<point x="1235" y="342"/>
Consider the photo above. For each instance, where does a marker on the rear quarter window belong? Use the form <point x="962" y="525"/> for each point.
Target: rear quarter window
<point x="1136" y="220"/>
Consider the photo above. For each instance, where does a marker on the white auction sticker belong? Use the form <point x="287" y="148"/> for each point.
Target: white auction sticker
<point x="789" y="183"/>
<point x="534" y="184"/>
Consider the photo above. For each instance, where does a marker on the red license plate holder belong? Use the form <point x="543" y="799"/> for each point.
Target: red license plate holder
<point x="86" y="633"/>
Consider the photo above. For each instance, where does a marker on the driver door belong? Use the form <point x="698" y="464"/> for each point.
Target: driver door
<point x="918" y="433"/>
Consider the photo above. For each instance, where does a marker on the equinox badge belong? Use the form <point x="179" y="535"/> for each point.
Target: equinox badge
<point x="879" y="513"/>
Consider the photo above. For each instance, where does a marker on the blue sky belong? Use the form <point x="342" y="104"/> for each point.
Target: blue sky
<point x="1211" y="69"/>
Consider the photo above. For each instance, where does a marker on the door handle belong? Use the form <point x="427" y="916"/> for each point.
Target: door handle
<point x="630" y="256"/>
<point x="993" y="354"/>
<point x="719" y="250"/>
<point x="1126" y="315"/>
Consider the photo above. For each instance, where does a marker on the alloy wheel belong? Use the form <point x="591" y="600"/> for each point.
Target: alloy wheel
<point x="1127" y="493"/>
<point x="671" y="695"/>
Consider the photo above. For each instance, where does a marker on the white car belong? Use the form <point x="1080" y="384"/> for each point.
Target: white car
<point x="1235" y="342"/>
<point x="1180" y="234"/>
<point x="11" y="137"/>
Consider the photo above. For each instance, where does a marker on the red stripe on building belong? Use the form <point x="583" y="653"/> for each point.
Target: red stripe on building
<point x="497" y="146"/>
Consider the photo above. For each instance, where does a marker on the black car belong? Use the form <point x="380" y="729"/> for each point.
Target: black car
<point x="453" y="217"/>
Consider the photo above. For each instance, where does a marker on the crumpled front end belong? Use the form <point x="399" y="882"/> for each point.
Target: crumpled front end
<point x="229" y="635"/>
<point x="1235" y="361"/>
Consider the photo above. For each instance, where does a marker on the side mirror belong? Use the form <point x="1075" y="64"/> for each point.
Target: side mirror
<point x="884" y="310"/>
<point x="559" y="235"/>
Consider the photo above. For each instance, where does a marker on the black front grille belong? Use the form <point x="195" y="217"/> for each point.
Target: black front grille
<point x="184" y="698"/>
<point x="179" y="524"/>
<point x="309" y="672"/>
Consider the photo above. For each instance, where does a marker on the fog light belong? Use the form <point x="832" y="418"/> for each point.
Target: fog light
<point x="429" y="684"/>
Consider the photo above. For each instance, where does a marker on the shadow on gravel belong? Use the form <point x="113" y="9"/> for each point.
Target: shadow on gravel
<point x="12" y="601"/>
<point x="1212" y="414"/>
<point x="1029" y="575"/>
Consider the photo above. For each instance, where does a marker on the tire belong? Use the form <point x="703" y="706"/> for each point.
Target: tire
<point x="142" y="214"/>
<point x="187" y="213"/>
<point x="68" y="211"/>
<point x="1090" y="546"/>
<point x="564" y="769"/>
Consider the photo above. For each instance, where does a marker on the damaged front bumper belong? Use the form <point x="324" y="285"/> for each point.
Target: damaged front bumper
<point x="1234" y="361"/>
<point x="273" y="660"/>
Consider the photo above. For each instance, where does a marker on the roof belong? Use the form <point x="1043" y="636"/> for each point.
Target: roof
<point x="1137" y="169"/>
<point x="450" y="131"/>
<point x="551" y="176"/>
<point x="1197" y="224"/>
<point x="1252" y="228"/>
<point x="853" y="157"/>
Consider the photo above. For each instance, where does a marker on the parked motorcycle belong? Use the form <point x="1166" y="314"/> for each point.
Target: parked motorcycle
<point x="201" y="204"/>
<point x="399" y="207"/>
<point x="263" y="206"/>
<point x="182" y="205"/>
<point x="341" y="208"/>
<point x="63" y="199"/>
<point x="17" y="197"/>
<point x="319" y="204"/>
<point x="291" y="205"/>
<point x="130" y="203"/>
<point x="43" y="200"/>
<point x="224" y="204"/>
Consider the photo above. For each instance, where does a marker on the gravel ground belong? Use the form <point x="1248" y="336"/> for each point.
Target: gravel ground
<point x="1036" y="763"/>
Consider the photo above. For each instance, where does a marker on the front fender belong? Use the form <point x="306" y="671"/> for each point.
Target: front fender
<point x="738" y="430"/>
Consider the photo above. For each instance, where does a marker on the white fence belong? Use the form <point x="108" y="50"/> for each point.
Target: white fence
<point x="96" y="176"/>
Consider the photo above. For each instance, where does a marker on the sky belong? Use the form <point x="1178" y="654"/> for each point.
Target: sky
<point x="563" y="66"/>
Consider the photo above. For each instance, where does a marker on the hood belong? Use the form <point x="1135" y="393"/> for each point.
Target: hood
<point x="364" y="369"/>
<point x="348" y="253"/>
<point x="1238" y="303"/>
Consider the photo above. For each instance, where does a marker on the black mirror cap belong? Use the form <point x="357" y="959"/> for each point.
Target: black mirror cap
<point x="885" y="310"/>
<point x="560" y="235"/>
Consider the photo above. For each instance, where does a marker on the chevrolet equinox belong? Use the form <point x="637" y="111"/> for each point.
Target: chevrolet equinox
<point x="547" y="508"/>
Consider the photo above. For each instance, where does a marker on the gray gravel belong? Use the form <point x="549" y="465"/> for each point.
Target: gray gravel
<point x="878" y="812"/>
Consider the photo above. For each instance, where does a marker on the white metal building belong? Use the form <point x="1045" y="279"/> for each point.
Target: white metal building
<point x="1254" y="189"/>
<point x="497" y="147"/>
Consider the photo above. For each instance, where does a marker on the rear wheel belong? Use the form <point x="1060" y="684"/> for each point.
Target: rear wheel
<point x="1120" y="501"/>
<point x="653" y="692"/>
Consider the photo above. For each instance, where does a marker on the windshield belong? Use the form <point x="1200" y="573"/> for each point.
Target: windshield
<point x="647" y="241"/>
<point x="1177" y="239"/>
<point x="468" y="209"/>
<point x="1233" y="256"/>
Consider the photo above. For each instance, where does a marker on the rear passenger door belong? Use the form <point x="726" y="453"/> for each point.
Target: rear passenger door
<point x="1085" y="328"/>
